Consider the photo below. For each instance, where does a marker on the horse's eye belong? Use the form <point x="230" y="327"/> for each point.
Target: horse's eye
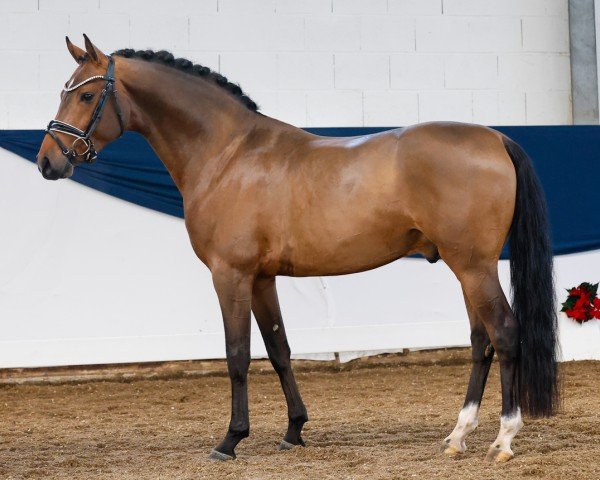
<point x="87" y="97"/>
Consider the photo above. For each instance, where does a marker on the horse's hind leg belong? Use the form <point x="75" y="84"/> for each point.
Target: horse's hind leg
<point x="265" y="306"/>
<point x="482" y="289"/>
<point x="482" y="355"/>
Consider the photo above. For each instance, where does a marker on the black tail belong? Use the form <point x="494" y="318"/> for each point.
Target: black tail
<point x="534" y="303"/>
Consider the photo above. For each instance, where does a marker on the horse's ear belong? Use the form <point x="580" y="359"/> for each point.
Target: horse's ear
<point x="94" y="52"/>
<point x="77" y="53"/>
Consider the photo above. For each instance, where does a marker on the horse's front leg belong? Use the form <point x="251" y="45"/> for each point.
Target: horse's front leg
<point x="265" y="306"/>
<point x="234" y="289"/>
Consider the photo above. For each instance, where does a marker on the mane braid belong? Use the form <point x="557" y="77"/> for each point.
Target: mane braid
<point x="166" y="58"/>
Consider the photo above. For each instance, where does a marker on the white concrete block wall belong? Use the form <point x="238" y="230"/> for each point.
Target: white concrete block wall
<point x="315" y="62"/>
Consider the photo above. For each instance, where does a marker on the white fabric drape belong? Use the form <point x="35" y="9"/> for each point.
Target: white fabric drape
<point x="86" y="278"/>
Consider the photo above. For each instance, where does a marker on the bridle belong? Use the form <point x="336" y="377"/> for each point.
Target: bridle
<point x="85" y="137"/>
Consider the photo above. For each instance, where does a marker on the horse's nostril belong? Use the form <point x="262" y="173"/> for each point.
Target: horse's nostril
<point x="46" y="167"/>
<point x="42" y="164"/>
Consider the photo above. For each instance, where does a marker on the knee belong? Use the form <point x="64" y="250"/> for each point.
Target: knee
<point x="238" y="363"/>
<point x="238" y="375"/>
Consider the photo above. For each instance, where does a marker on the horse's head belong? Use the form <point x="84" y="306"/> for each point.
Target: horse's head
<point x="89" y="115"/>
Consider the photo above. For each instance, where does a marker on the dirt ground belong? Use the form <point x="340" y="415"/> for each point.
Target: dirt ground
<point x="382" y="418"/>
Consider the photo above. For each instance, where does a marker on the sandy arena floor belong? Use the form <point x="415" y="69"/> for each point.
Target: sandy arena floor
<point x="374" y="419"/>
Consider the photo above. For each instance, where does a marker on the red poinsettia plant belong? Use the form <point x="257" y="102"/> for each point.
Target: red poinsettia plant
<point x="582" y="303"/>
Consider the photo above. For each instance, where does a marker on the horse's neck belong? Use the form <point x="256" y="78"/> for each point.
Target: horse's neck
<point x="188" y="121"/>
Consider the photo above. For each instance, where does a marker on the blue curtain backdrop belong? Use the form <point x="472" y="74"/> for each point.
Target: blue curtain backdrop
<point x="566" y="159"/>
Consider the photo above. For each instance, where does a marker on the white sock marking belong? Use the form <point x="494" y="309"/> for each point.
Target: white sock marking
<point x="509" y="427"/>
<point x="466" y="423"/>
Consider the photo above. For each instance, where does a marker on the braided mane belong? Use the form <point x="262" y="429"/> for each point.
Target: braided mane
<point x="166" y="58"/>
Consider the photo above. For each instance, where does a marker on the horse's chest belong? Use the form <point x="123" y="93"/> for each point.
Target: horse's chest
<point x="228" y="235"/>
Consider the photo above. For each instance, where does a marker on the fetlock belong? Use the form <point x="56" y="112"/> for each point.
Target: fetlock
<point x="294" y="430"/>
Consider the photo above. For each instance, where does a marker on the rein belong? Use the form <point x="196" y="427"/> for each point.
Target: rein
<point x="85" y="137"/>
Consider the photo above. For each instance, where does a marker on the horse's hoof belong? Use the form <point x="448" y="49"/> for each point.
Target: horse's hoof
<point x="286" y="446"/>
<point x="499" y="456"/>
<point x="451" y="450"/>
<point x="444" y="445"/>
<point x="222" y="457"/>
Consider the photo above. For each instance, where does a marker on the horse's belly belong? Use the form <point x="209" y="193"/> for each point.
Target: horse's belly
<point x="350" y="250"/>
<point x="342" y="262"/>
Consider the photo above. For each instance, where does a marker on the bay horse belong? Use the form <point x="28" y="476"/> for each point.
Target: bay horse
<point x="263" y="198"/>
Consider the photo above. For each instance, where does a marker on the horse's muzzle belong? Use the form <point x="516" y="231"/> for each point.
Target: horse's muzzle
<point x="50" y="173"/>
